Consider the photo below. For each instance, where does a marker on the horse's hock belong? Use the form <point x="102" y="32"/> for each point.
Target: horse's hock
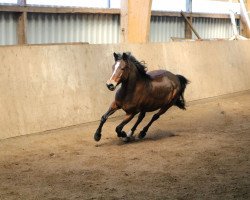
<point x="49" y="87"/>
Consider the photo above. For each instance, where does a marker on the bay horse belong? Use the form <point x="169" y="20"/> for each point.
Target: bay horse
<point x="141" y="92"/>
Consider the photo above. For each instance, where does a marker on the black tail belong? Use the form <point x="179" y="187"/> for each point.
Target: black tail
<point x="180" y="102"/>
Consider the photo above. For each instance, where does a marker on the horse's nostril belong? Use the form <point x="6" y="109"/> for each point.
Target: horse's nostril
<point x="111" y="86"/>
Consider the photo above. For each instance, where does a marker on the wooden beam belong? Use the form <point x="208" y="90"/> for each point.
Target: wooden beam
<point x="21" y="28"/>
<point x="35" y="9"/>
<point x="198" y="36"/>
<point x="245" y="21"/>
<point x="135" y="20"/>
<point x="194" y="15"/>
<point x="188" y="30"/>
<point x="248" y="5"/>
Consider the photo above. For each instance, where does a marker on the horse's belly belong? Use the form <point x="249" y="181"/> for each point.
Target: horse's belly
<point x="158" y="99"/>
<point x="154" y="105"/>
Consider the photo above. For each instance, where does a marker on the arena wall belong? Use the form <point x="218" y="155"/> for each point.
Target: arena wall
<point x="53" y="86"/>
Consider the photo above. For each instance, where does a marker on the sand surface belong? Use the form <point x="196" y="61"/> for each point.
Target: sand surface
<point x="200" y="153"/>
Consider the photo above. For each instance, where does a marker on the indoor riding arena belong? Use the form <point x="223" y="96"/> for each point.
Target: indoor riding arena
<point x="59" y="61"/>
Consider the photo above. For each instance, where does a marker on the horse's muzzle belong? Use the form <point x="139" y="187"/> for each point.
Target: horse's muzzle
<point x="110" y="86"/>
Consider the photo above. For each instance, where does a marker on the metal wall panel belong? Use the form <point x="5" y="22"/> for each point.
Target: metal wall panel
<point x="8" y="28"/>
<point x="209" y="28"/>
<point x="102" y="28"/>
<point x="163" y="28"/>
<point x="62" y="28"/>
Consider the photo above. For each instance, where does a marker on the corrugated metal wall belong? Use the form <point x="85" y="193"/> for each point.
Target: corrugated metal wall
<point x="209" y="28"/>
<point x="8" y="28"/>
<point x="62" y="28"/>
<point x="163" y="28"/>
<point x="102" y="28"/>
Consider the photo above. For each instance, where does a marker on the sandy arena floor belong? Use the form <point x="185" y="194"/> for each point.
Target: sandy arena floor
<point x="201" y="153"/>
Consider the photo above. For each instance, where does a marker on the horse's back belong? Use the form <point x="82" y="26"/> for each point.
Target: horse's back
<point x="158" y="75"/>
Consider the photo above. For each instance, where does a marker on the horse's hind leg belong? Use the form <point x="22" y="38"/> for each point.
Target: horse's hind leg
<point x="110" y="111"/>
<point x="140" y="118"/>
<point x="119" y="128"/>
<point x="156" y="116"/>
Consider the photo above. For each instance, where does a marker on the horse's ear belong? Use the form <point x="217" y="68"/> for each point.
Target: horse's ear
<point x="115" y="56"/>
<point x="125" y="56"/>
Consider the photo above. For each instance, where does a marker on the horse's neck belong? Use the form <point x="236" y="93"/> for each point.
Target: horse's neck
<point x="129" y="86"/>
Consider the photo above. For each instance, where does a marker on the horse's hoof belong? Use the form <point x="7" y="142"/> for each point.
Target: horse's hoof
<point x="142" y="134"/>
<point x="122" y="134"/>
<point x="97" y="136"/>
<point x="126" y="139"/>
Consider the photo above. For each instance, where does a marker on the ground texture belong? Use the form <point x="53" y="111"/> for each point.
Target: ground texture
<point x="200" y="153"/>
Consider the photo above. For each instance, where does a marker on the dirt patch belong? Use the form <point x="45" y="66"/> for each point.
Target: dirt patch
<point x="201" y="153"/>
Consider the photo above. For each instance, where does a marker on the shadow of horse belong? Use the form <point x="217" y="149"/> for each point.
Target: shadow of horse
<point x="152" y="136"/>
<point x="159" y="134"/>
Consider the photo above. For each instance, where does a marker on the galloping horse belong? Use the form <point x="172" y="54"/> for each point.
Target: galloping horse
<point x="141" y="92"/>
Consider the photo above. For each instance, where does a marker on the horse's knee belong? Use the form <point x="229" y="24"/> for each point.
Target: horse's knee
<point x="103" y="119"/>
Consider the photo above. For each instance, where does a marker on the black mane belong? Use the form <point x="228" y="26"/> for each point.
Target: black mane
<point x="140" y="65"/>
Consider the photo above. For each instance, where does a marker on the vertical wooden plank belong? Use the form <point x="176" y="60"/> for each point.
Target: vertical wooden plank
<point x="135" y="20"/>
<point x="188" y="30"/>
<point x="124" y="21"/>
<point x="248" y="5"/>
<point x="244" y="18"/>
<point x="21" y="28"/>
<point x="21" y="24"/>
<point x="248" y="10"/>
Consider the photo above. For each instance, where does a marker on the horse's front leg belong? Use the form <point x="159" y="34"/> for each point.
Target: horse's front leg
<point x="110" y="111"/>
<point x="119" y="128"/>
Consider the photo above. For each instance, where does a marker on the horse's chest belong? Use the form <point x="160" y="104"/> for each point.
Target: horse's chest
<point x="129" y="105"/>
<point x="130" y="108"/>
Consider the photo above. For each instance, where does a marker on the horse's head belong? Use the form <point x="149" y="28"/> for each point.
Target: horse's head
<point x="120" y="71"/>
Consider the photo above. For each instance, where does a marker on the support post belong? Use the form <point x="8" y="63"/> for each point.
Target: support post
<point x="244" y="18"/>
<point x="248" y="5"/>
<point x="135" y="21"/>
<point x="195" y="32"/>
<point x="188" y="30"/>
<point x="21" y="28"/>
<point x="22" y="24"/>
